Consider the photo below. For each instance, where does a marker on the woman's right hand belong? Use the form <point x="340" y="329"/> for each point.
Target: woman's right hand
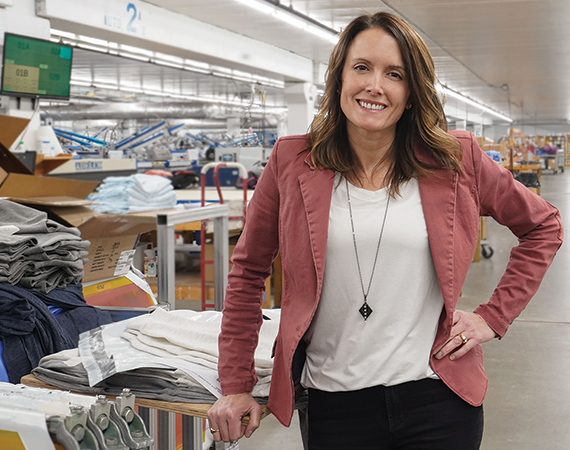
<point x="226" y="414"/>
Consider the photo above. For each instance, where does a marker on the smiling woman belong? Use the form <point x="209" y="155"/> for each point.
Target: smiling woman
<point x="376" y="214"/>
<point x="385" y="53"/>
<point x="373" y="97"/>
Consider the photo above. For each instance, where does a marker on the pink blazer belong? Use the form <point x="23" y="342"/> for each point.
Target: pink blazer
<point x="289" y="213"/>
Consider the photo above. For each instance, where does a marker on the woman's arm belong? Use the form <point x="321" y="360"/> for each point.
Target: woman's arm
<point x="253" y="255"/>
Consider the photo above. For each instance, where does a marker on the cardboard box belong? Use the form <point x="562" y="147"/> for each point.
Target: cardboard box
<point x="113" y="237"/>
<point x="503" y="148"/>
<point x="552" y="164"/>
<point x="481" y="140"/>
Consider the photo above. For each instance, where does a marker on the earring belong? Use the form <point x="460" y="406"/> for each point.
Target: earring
<point x="409" y="106"/>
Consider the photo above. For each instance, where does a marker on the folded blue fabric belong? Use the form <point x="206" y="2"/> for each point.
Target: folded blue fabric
<point x="133" y="193"/>
<point x="29" y="330"/>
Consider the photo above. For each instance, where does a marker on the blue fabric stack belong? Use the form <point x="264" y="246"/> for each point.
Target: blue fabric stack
<point x="29" y="331"/>
<point x="134" y="193"/>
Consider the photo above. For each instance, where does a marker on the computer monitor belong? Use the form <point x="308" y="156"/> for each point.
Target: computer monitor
<point x="35" y="68"/>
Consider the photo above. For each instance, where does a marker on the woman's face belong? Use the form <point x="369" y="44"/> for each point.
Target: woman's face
<point x="374" y="90"/>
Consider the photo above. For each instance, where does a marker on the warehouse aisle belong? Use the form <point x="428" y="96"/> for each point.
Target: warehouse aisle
<point x="528" y="403"/>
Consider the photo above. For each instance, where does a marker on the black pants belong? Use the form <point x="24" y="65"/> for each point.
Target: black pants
<point x="419" y="415"/>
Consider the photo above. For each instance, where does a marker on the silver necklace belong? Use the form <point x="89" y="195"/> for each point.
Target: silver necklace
<point x="365" y="310"/>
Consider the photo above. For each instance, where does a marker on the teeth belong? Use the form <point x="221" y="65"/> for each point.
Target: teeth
<point x="371" y="105"/>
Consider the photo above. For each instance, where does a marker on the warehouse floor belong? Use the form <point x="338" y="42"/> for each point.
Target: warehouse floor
<point x="528" y="403"/>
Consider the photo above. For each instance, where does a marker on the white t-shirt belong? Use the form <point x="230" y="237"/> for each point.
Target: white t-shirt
<point x="393" y="345"/>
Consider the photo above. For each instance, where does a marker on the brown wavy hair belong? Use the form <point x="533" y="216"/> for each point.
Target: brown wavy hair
<point x="423" y="124"/>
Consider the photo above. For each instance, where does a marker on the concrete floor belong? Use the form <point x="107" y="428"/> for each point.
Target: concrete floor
<point x="528" y="402"/>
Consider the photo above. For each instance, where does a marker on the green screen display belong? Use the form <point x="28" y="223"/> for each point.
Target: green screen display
<point x="36" y="68"/>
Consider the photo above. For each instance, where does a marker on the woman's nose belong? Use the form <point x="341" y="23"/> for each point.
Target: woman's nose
<point x="375" y="85"/>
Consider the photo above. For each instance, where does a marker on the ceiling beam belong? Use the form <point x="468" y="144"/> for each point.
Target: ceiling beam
<point x="147" y="26"/>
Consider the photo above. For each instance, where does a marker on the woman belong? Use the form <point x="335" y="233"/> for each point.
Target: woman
<point x="375" y="213"/>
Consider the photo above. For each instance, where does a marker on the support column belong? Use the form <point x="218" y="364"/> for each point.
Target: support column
<point x="460" y="124"/>
<point x="300" y="100"/>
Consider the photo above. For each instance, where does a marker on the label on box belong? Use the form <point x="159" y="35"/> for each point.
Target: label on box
<point x="124" y="263"/>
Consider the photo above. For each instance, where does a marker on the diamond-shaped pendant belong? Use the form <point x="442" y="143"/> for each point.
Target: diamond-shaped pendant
<point x="365" y="310"/>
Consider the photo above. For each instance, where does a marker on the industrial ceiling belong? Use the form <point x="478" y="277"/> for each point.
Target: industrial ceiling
<point x="510" y="55"/>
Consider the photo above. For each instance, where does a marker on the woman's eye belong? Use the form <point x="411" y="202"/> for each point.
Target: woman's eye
<point x="360" y="68"/>
<point x="395" y="75"/>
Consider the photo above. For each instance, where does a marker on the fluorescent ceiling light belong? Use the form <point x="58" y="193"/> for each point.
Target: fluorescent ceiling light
<point x="464" y="99"/>
<point x="197" y="64"/>
<point x="64" y="34"/>
<point x="171" y="58"/>
<point x="168" y="64"/>
<point x="141" y="51"/>
<point x="80" y="83"/>
<point x="196" y="70"/>
<point x="131" y="89"/>
<point x="322" y="33"/>
<point x="93" y="41"/>
<point x="91" y="47"/>
<point x="289" y="18"/>
<point x="264" y="8"/>
<point x="105" y="86"/>
<point x="131" y="56"/>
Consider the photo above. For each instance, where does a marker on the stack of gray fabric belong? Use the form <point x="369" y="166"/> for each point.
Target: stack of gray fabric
<point x="65" y="370"/>
<point x="149" y="354"/>
<point x="36" y="252"/>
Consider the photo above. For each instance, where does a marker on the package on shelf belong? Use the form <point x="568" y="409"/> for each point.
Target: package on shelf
<point x="127" y="291"/>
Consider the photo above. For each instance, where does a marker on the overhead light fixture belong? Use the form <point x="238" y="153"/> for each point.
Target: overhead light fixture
<point x="451" y="93"/>
<point x="133" y="89"/>
<point x="196" y="70"/>
<point x="138" y="50"/>
<point x="63" y="34"/>
<point x="293" y="18"/>
<point x="91" y="47"/>
<point x="171" y="58"/>
<point x="80" y="83"/>
<point x="94" y="41"/>
<point x="131" y="56"/>
<point x="110" y="87"/>
<point x="168" y="64"/>
<point x="259" y="6"/>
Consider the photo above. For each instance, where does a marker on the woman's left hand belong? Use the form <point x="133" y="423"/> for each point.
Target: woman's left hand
<point x="468" y="330"/>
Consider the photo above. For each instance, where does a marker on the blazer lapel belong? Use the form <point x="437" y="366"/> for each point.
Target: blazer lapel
<point x="316" y="189"/>
<point x="439" y="196"/>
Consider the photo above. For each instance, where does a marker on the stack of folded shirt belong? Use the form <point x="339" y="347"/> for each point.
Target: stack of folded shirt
<point x="193" y="337"/>
<point x="66" y="370"/>
<point x="133" y="194"/>
<point x="147" y="353"/>
<point x="36" y="252"/>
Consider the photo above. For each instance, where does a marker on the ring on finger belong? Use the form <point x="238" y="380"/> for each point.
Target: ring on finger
<point x="214" y="431"/>
<point x="463" y="338"/>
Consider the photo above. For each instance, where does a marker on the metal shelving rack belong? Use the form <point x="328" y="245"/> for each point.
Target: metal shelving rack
<point x="191" y="426"/>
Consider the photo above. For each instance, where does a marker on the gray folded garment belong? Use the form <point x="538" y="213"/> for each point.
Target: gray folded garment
<point x="65" y="370"/>
<point x="49" y="280"/>
<point x="58" y="247"/>
<point x="29" y="220"/>
<point x="16" y="243"/>
<point x="58" y="254"/>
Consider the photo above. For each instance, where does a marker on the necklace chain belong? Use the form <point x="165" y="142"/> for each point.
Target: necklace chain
<point x="365" y="310"/>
